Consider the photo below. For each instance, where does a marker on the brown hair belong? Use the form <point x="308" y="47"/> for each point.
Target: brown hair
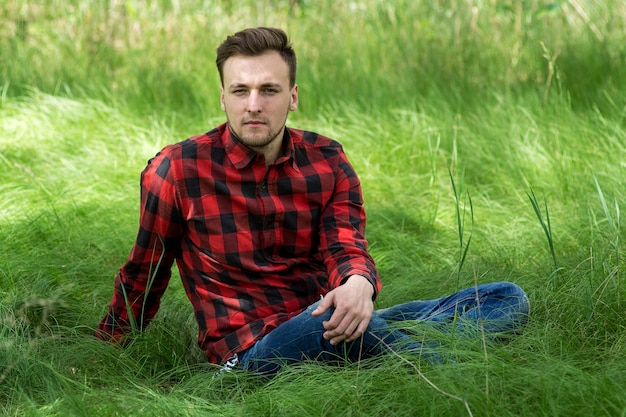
<point x="256" y="41"/>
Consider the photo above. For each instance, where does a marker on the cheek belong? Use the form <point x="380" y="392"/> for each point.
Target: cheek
<point x="279" y="108"/>
<point x="230" y="106"/>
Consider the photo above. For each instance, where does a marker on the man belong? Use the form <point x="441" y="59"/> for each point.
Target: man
<point x="266" y="225"/>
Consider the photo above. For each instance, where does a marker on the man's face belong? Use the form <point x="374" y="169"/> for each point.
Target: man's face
<point x="257" y="98"/>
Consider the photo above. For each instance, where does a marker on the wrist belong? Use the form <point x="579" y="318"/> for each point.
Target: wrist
<point x="362" y="282"/>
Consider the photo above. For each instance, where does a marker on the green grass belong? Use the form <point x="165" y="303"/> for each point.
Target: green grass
<point x="490" y="141"/>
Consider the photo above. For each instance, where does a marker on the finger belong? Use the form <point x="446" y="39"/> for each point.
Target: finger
<point x="324" y="305"/>
<point x="360" y="330"/>
<point x="336" y="336"/>
<point x="337" y="323"/>
<point x="349" y="332"/>
<point x="354" y="333"/>
<point x="360" y="327"/>
<point x="343" y="331"/>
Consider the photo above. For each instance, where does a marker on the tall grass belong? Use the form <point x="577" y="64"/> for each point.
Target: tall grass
<point x="433" y="101"/>
<point x="375" y="52"/>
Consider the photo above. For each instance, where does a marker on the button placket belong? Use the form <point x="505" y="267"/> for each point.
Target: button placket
<point x="268" y="238"/>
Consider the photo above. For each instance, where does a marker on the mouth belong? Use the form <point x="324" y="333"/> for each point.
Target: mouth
<point x="254" y="123"/>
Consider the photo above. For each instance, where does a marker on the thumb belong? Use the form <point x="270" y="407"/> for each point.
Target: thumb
<point x="323" y="305"/>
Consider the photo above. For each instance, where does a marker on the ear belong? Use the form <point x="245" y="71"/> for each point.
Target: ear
<point x="293" y="105"/>
<point x="222" y="98"/>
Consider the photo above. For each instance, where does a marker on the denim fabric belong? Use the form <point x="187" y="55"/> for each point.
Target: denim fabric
<point x="500" y="307"/>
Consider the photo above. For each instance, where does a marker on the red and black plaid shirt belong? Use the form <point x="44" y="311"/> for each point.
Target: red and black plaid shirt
<point x="254" y="245"/>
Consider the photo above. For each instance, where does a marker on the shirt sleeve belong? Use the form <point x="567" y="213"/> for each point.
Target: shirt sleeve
<point x="342" y="236"/>
<point x="145" y="276"/>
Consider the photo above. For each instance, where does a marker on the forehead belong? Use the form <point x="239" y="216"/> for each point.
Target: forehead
<point x="264" y="68"/>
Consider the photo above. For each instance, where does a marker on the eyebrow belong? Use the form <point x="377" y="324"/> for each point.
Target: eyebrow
<point x="264" y="85"/>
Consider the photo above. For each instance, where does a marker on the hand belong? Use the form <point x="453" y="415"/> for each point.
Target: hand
<point x="353" y="310"/>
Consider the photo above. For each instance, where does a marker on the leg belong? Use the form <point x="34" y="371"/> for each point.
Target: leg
<point x="301" y="339"/>
<point x="502" y="307"/>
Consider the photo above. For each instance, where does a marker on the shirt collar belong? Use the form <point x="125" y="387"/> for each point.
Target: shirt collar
<point x="241" y="156"/>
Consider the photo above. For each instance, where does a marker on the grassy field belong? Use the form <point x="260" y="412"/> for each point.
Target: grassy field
<point x="490" y="140"/>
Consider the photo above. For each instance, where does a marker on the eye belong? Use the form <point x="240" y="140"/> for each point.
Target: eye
<point x="270" y="91"/>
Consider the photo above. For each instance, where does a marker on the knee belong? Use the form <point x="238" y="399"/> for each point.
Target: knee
<point x="515" y="295"/>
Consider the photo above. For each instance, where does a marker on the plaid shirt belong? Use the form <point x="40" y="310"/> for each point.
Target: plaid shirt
<point x="254" y="245"/>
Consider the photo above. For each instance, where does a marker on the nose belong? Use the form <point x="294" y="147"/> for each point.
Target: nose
<point x="254" y="102"/>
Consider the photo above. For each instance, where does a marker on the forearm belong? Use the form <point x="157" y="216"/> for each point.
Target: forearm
<point x="342" y="231"/>
<point x="345" y="251"/>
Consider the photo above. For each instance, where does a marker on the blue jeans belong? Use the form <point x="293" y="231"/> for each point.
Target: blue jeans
<point x="500" y="307"/>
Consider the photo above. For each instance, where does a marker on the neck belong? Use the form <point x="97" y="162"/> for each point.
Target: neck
<point x="271" y="151"/>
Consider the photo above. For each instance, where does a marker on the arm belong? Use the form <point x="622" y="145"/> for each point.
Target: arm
<point x="144" y="277"/>
<point x="352" y="274"/>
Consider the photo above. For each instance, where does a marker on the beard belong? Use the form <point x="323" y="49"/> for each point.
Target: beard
<point x="260" y="137"/>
